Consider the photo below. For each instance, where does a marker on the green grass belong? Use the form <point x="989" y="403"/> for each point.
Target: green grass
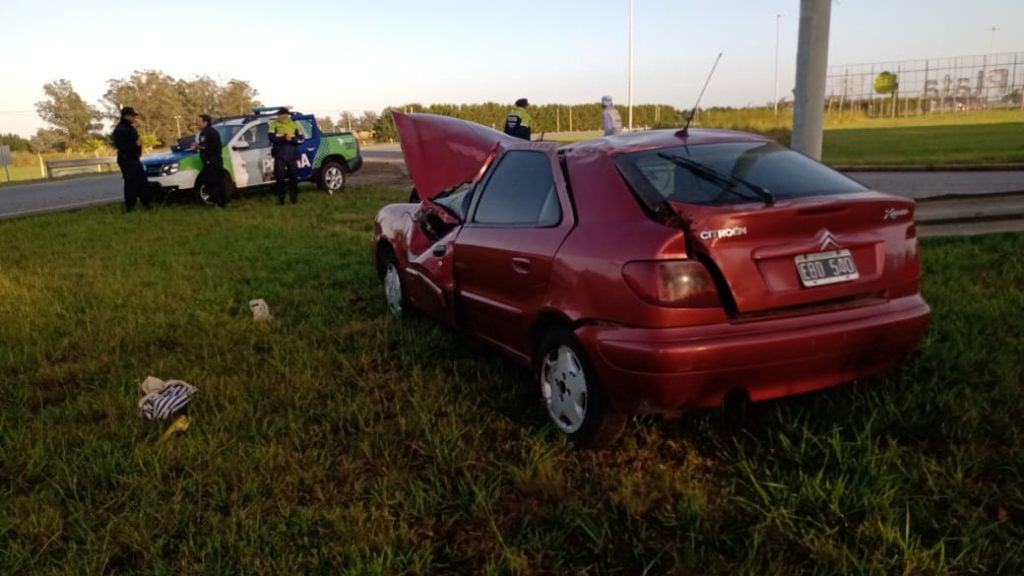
<point x="971" y="138"/>
<point x="929" y="145"/>
<point x="337" y="440"/>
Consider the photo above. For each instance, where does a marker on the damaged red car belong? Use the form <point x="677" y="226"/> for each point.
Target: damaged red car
<point x="651" y="272"/>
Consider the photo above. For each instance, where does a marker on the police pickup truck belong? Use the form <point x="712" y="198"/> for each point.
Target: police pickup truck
<point x="324" y="158"/>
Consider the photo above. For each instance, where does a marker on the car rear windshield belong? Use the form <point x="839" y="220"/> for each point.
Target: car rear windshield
<point x="655" y="177"/>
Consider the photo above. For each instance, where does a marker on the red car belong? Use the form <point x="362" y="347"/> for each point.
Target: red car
<point x="655" y="271"/>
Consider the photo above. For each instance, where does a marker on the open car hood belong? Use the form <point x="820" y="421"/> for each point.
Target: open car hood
<point x="442" y="152"/>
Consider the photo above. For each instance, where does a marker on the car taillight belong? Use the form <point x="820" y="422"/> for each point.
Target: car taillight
<point x="676" y="283"/>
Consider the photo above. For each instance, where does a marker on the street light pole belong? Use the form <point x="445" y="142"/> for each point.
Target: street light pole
<point x="811" y="76"/>
<point x="630" y="65"/>
<point x="775" y="99"/>
<point x="177" y="124"/>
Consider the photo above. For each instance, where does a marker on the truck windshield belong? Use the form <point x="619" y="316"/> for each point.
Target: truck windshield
<point x="226" y="131"/>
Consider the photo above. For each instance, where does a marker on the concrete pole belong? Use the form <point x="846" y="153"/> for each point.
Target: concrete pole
<point x="775" y="98"/>
<point x="630" y="65"/>
<point x="811" y="74"/>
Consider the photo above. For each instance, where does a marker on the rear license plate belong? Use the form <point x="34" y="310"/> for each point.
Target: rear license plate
<point x="826" y="268"/>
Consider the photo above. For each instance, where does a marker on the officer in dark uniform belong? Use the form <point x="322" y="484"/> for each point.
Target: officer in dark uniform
<point x="129" y="154"/>
<point x="213" y="162"/>
<point x="518" y="122"/>
<point x="285" y="136"/>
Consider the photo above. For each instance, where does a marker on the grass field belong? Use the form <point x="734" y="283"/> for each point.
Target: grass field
<point x="336" y="439"/>
<point x="991" y="137"/>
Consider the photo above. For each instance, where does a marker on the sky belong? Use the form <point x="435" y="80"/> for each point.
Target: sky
<point x="331" y="56"/>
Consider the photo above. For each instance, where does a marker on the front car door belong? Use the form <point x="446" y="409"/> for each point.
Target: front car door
<point x="308" y="148"/>
<point x="503" y="255"/>
<point x="251" y="159"/>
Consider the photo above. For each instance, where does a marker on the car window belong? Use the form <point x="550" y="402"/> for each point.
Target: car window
<point x="781" y="171"/>
<point x="520" y="191"/>
<point x="257" y="136"/>
<point x="307" y="128"/>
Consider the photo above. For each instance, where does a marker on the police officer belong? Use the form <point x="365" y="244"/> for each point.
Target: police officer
<point x="611" y="121"/>
<point x="518" y="122"/>
<point x="213" y="163"/>
<point x="285" y="135"/>
<point x="129" y="154"/>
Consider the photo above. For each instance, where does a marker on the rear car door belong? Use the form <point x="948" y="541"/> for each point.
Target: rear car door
<point x="503" y="255"/>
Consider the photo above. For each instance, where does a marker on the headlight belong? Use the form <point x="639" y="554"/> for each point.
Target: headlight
<point x="168" y="169"/>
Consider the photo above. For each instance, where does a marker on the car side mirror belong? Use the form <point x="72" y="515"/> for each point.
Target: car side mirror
<point x="241" y="146"/>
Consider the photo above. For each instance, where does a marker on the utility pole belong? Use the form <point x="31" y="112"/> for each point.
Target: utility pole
<point x="630" y="65"/>
<point x="992" y="43"/>
<point x="177" y="124"/>
<point x="775" y="99"/>
<point x="811" y="74"/>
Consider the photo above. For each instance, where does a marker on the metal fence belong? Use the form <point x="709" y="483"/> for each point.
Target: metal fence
<point x="933" y="85"/>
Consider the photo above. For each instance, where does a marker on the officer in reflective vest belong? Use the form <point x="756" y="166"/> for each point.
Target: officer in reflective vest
<point x="518" y="122"/>
<point x="285" y="135"/>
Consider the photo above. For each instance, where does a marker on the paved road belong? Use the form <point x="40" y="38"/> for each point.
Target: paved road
<point x="929" y="184"/>
<point x="39" y="197"/>
<point x="25" y="199"/>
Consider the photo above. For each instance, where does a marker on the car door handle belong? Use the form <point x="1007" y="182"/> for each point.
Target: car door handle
<point x="521" y="265"/>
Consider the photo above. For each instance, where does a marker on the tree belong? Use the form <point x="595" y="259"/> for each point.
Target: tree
<point x="70" y="116"/>
<point x="326" y="124"/>
<point x="888" y="83"/>
<point x="168" y="106"/>
<point x="347" y="121"/>
<point x="154" y="95"/>
<point x="17" y="143"/>
<point x="47" y="140"/>
<point x="199" y="96"/>
<point x="384" y="127"/>
<point x="236" y="98"/>
<point x="365" y="122"/>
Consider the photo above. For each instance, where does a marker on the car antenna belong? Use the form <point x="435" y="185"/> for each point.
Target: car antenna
<point x="685" y="131"/>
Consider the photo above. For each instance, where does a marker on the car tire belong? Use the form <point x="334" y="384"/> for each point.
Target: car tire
<point x="201" y="195"/>
<point x="394" y="287"/>
<point x="571" y="394"/>
<point x="332" y="177"/>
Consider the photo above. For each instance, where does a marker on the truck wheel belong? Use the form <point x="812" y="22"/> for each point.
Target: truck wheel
<point x="332" y="177"/>
<point x="201" y="194"/>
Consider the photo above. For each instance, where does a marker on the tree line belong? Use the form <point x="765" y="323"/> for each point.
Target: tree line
<point x="546" y="117"/>
<point x="168" y="107"/>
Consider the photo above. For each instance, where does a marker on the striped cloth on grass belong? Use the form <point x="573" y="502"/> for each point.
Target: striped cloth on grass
<point x="160" y="405"/>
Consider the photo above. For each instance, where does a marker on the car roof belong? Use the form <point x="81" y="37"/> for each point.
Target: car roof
<point x="655" y="139"/>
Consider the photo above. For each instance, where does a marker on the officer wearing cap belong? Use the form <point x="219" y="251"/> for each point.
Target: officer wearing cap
<point x="209" y="145"/>
<point x="129" y="154"/>
<point x="518" y="122"/>
<point x="285" y="135"/>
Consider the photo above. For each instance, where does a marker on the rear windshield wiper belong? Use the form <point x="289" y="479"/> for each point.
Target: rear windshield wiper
<point x="728" y="182"/>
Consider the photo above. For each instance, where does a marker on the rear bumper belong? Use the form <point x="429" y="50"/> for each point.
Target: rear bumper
<point x="668" y="370"/>
<point x="355" y="164"/>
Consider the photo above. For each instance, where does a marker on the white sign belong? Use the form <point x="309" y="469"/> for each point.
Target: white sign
<point x="5" y="155"/>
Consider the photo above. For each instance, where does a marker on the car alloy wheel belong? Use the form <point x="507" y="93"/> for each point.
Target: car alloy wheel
<point x="333" y="177"/>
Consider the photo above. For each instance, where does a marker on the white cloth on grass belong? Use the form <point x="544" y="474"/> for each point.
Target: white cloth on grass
<point x="162" y="399"/>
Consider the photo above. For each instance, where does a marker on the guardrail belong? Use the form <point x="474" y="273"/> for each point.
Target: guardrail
<point x="99" y="163"/>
